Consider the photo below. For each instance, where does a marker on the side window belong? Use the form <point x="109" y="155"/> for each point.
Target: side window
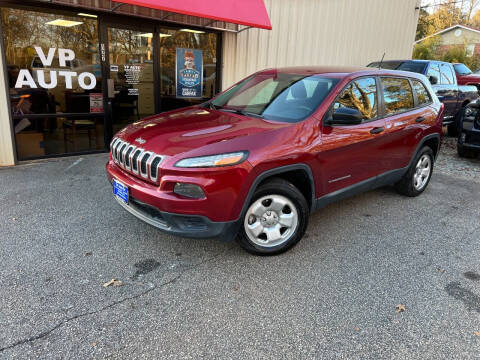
<point x="360" y="94"/>
<point x="447" y="75"/>
<point x="434" y="70"/>
<point x="397" y="94"/>
<point x="423" y="96"/>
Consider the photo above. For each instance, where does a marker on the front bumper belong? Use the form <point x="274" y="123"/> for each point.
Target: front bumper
<point x="192" y="218"/>
<point x="191" y="226"/>
<point x="470" y="135"/>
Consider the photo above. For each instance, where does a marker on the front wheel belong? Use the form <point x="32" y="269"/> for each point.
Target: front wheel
<point x="415" y="181"/>
<point x="276" y="219"/>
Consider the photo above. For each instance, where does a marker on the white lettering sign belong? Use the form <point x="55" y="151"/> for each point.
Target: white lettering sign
<point x="65" y="56"/>
<point x="41" y="79"/>
<point x="48" y="60"/>
<point x="25" y="79"/>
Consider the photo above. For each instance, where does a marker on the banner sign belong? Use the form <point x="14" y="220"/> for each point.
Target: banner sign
<point x="189" y="73"/>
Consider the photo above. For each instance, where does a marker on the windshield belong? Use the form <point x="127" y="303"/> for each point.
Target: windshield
<point x="276" y="96"/>
<point x="462" y="69"/>
<point x="412" y="66"/>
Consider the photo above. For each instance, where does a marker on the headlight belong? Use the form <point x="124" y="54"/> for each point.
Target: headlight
<point x="214" y="160"/>
<point x="468" y="111"/>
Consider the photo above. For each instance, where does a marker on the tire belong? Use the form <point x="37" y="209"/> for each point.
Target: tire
<point x="465" y="153"/>
<point x="416" y="179"/>
<point x="262" y="232"/>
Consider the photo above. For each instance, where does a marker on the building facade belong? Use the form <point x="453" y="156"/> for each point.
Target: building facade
<point x="457" y="35"/>
<point x="77" y="71"/>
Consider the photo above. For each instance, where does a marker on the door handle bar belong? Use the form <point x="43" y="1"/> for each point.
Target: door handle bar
<point x="377" y="130"/>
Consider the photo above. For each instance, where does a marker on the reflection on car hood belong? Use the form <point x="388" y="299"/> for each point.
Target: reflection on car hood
<point x="190" y="128"/>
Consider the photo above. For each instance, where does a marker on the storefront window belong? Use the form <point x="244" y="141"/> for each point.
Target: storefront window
<point x="186" y="50"/>
<point x="54" y="78"/>
<point x="131" y="68"/>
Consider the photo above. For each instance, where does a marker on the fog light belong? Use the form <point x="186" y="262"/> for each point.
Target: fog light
<point x="189" y="190"/>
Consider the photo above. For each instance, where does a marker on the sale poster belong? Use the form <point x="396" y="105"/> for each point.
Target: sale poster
<point x="189" y="73"/>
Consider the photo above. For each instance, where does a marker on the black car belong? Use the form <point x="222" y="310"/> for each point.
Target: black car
<point x="469" y="139"/>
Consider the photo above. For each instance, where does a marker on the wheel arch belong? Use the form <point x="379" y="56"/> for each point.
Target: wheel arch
<point x="432" y="141"/>
<point x="300" y="175"/>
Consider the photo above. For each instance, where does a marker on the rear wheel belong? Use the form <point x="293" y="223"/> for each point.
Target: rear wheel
<point x="276" y="219"/>
<point x="415" y="181"/>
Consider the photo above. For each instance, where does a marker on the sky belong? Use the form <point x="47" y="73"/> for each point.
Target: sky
<point x="430" y="4"/>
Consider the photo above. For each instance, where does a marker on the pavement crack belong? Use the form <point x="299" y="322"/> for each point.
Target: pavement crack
<point x="45" y="333"/>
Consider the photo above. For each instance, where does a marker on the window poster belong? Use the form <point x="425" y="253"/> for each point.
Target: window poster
<point x="189" y="73"/>
<point x="96" y="102"/>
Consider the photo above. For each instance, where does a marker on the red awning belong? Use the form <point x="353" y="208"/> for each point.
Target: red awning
<point x="244" y="12"/>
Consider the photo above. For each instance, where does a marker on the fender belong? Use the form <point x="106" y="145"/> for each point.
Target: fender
<point x="236" y="224"/>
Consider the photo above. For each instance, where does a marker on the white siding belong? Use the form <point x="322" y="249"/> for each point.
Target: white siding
<point x="6" y="145"/>
<point x="322" y="32"/>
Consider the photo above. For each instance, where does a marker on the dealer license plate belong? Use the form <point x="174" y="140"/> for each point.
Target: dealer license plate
<point x="120" y="191"/>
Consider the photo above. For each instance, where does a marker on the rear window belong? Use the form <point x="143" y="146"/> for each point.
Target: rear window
<point x="397" y="95"/>
<point x="462" y="69"/>
<point x="423" y="96"/>
<point x="412" y="66"/>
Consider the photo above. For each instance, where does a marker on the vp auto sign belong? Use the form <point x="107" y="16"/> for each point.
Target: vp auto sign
<point x="86" y="80"/>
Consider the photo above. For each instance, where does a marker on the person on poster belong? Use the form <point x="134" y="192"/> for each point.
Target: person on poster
<point x="189" y="73"/>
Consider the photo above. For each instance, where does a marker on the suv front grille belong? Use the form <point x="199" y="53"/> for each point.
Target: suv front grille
<point x="135" y="160"/>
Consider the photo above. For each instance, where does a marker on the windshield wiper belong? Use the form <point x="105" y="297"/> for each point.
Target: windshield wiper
<point x="235" y="111"/>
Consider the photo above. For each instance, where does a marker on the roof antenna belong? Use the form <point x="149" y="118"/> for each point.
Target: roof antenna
<point x="381" y="61"/>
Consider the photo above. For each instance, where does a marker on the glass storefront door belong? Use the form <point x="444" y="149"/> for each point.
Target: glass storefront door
<point x="75" y="79"/>
<point x="131" y="65"/>
<point x="55" y="82"/>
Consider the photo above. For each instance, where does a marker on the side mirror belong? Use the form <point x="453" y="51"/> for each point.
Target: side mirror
<point x="433" y="79"/>
<point x="346" y="116"/>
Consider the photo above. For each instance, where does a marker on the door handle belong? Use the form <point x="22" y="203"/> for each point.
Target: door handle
<point x="377" y="130"/>
<point x="420" y="119"/>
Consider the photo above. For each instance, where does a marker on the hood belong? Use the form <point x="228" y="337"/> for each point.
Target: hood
<point x="192" y="128"/>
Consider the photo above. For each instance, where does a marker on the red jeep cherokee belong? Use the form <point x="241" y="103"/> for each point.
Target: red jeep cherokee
<point x="261" y="156"/>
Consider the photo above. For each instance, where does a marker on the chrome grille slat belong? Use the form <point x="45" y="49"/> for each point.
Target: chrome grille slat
<point x="135" y="159"/>
<point x="128" y="159"/>
<point x="145" y="164"/>
<point x="154" y="166"/>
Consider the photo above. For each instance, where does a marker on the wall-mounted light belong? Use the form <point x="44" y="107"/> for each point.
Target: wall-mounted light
<point x="87" y="15"/>
<point x="64" y="23"/>
<point x="165" y="35"/>
<point x="193" y="31"/>
<point x="146" y="35"/>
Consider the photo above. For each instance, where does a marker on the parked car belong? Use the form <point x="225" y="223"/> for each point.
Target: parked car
<point x="444" y="82"/>
<point x="469" y="139"/>
<point x="261" y="156"/>
<point x="465" y="76"/>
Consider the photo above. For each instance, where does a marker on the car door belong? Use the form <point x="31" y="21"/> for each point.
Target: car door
<point x="352" y="153"/>
<point x="405" y="103"/>
<point x="446" y="88"/>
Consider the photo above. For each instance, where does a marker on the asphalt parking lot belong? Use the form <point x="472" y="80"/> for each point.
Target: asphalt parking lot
<point x="333" y="296"/>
